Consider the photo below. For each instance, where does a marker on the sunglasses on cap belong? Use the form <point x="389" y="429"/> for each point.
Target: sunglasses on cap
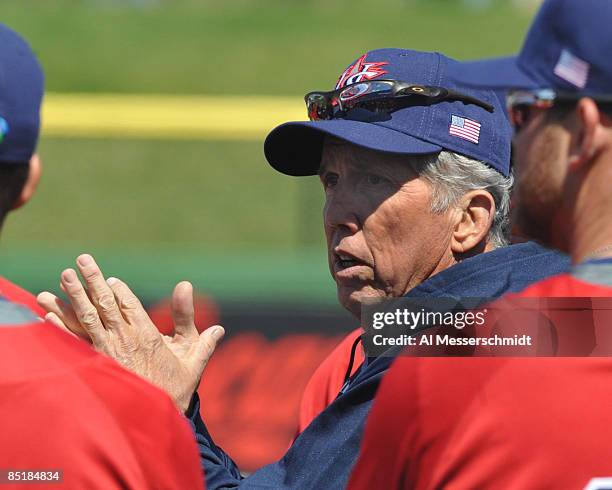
<point x="521" y="102"/>
<point x="381" y="96"/>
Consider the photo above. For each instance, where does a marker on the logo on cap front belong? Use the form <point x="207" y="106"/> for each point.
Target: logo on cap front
<point x="360" y="71"/>
<point x="4" y="129"/>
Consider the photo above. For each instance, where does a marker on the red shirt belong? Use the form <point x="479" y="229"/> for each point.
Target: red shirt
<point x="326" y="382"/>
<point x="491" y="422"/>
<point x="66" y="407"/>
<point x="565" y="285"/>
<point x="20" y="296"/>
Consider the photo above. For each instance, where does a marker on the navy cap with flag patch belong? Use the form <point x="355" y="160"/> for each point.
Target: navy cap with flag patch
<point x="295" y="148"/>
<point x="21" y="92"/>
<point x="567" y="49"/>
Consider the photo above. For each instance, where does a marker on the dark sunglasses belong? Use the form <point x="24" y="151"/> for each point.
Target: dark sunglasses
<point x="381" y="96"/>
<point x="521" y="103"/>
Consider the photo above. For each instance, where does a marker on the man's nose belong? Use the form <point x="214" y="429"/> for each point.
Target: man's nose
<point x="341" y="210"/>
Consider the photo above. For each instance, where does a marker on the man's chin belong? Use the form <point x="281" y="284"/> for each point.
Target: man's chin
<point x="352" y="298"/>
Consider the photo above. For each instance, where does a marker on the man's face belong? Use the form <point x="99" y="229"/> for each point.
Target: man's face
<point x="540" y="162"/>
<point x="382" y="237"/>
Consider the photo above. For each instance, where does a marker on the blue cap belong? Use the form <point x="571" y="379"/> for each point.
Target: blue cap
<point x="21" y="91"/>
<point x="567" y="49"/>
<point x="295" y="148"/>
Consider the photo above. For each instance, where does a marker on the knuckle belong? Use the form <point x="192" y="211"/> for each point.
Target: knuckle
<point x="106" y="302"/>
<point x="89" y="317"/>
<point x="74" y="289"/>
<point x="130" y="303"/>
<point x="90" y="274"/>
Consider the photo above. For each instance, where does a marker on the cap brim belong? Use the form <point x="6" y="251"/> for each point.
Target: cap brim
<point x="295" y="148"/>
<point x="494" y="73"/>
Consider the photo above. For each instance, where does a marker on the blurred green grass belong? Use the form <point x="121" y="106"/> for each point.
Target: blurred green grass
<point x="243" y="47"/>
<point x="157" y="212"/>
<point x="144" y="203"/>
<point x="134" y="192"/>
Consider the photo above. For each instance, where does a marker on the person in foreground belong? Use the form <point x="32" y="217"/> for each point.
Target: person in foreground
<point x="523" y="423"/>
<point x="70" y="416"/>
<point x="415" y="170"/>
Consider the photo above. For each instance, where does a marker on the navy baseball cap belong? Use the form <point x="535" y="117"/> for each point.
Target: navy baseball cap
<point x="567" y="49"/>
<point x="295" y="148"/>
<point x="21" y="92"/>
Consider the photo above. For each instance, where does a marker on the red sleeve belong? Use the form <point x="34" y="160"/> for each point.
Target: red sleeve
<point x="18" y="295"/>
<point x="160" y="437"/>
<point x="564" y="286"/>
<point x="382" y="460"/>
<point x="488" y="423"/>
<point x="69" y="408"/>
<point x="327" y="380"/>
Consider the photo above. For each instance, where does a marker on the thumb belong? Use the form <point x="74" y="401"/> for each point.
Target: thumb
<point x="183" y="314"/>
<point x="207" y="343"/>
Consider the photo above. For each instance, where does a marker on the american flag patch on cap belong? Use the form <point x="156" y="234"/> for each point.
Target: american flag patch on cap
<point x="572" y="69"/>
<point x="465" y="128"/>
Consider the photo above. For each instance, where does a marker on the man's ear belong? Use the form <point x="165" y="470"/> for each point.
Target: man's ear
<point x="587" y="136"/>
<point x="474" y="217"/>
<point x="31" y="183"/>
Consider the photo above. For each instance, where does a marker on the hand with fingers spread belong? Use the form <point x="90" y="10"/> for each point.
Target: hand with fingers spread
<point x="111" y="317"/>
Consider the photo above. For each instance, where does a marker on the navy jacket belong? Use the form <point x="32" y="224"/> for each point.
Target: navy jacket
<point x="323" y="455"/>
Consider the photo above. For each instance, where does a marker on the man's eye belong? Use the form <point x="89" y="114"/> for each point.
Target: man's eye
<point x="330" y="180"/>
<point x="373" y="179"/>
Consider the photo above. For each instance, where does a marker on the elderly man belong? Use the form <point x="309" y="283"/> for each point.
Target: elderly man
<point x="524" y="423"/>
<point x="415" y="170"/>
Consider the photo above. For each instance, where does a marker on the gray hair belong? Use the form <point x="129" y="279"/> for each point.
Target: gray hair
<point x="452" y="175"/>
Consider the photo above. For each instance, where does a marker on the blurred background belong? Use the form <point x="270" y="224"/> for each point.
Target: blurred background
<point x="152" y="149"/>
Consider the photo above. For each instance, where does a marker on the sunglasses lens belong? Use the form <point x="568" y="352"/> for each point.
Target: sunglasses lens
<point x="354" y="91"/>
<point x="515" y="97"/>
<point x="358" y="94"/>
<point x="521" y="104"/>
<point x="319" y="107"/>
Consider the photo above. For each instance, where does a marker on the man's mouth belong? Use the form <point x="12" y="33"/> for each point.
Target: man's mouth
<point x="347" y="265"/>
<point x="346" y="261"/>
